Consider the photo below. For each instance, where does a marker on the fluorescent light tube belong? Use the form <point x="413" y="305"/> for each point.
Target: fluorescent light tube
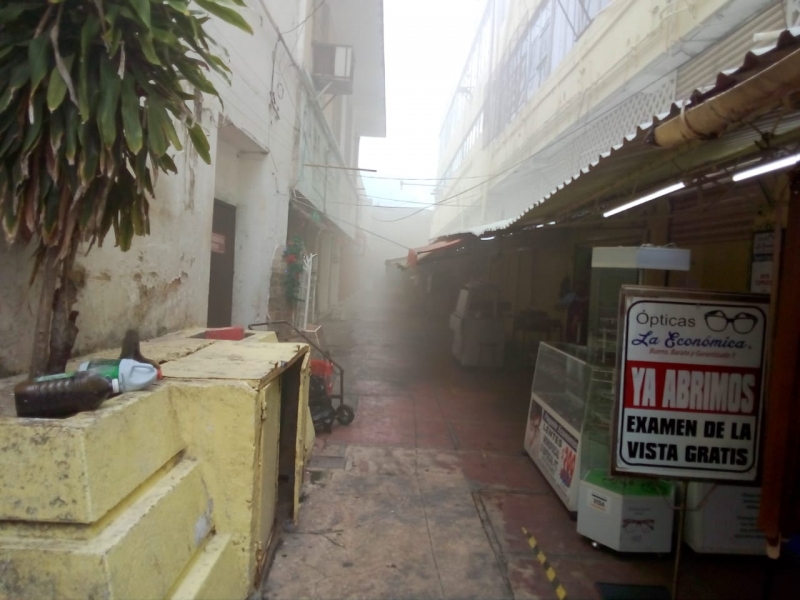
<point x="539" y="226"/>
<point x="663" y="192"/>
<point x="766" y="168"/>
<point x="552" y="223"/>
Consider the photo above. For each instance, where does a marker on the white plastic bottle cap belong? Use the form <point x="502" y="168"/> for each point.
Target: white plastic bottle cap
<point x="135" y="375"/>
<point x="115" y="386"/>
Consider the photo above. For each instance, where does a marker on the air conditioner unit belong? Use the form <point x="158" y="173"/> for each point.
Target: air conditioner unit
<point x="333" y="68"/>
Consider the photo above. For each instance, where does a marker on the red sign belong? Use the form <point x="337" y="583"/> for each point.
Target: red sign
<point x="690" y="389"/>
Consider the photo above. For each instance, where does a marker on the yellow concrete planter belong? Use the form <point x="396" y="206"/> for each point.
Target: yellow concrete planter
<point x="168" y="493"/>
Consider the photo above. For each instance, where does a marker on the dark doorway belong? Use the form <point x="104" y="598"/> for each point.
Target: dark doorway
<point x="220" y="285"/>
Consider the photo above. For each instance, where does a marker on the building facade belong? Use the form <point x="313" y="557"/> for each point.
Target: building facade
<point x="284" y="138"/>
<point x="551" y="85"/>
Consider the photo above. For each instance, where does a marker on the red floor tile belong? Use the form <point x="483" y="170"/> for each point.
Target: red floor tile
<point x="544" y="516"/>
<point x="426" y="409"/>
<point x="504" y="438"/>
<point x="386" y="406"/>
<point x="365" y="429"/>
<point x="506" y="472"/>
<point x="434" y="434"/>
<point x="375" y="388"/>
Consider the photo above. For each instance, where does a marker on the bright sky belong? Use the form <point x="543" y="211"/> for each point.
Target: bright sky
<point x="426" y="45"/>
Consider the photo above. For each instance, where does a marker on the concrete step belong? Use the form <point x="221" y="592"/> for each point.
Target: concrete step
<point x="138" y="550"/>
<point x="213" y="573"/>
<point x="77" y="469"/>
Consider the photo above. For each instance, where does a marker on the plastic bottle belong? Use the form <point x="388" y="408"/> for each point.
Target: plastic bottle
<point x="132" y="375"/>
<point x="62" y="395"/>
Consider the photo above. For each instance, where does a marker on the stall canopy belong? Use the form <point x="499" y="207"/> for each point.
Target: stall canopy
<point x="418" y="255"/>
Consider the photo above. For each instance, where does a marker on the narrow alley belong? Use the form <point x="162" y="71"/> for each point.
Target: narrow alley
<point x="427" y="493"/>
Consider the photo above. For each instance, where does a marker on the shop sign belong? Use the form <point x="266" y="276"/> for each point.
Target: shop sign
<point x="554" y="447"/>
<point x="690" y="384"/>
<point x="217" y="243"/>
<point x="761" y="264"/>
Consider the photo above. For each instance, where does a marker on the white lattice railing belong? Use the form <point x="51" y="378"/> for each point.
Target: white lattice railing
<point x="792" y="13"/>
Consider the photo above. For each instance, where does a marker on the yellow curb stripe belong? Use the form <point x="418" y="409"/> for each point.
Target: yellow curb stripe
<point x="561" y="592"/>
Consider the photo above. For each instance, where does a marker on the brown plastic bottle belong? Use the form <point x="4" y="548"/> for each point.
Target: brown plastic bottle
<point x="62" y="395"/>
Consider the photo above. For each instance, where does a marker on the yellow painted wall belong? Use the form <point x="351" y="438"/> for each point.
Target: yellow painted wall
<point x="722" y="266"/>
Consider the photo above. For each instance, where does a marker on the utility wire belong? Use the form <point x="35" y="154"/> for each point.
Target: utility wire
<point x="580" y="128"/>
<point x="308" y="204"/>
<point x="423" y="178"/>
<point x="425" y="204"/>
<point x="303" y="22"/>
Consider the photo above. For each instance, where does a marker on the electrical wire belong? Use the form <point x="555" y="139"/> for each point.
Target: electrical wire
<point x="308" y="204"/>
<point x="425" y="204"/>
<point x="423" y="178"/>
<point x="579" y="129"/>
<point x="303" y="22"/>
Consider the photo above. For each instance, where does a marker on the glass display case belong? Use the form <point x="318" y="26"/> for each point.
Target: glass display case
<point x="567" y="393"/>
<point x="568" y="433"/>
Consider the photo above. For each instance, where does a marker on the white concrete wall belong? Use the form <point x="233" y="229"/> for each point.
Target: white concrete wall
<point x="161" y="284"/>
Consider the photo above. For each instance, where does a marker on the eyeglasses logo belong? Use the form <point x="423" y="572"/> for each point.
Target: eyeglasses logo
<point x="742" y="322"/>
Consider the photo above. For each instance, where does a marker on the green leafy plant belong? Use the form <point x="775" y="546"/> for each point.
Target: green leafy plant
<point x="293" y="256"/>
<point x="90" y="95"/>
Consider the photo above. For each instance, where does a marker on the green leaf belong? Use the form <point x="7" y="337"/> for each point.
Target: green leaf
<point x="167" y="164"/>
<point x="155" y="131"/>
<point x="131" y="121"/>
<point x="180" y="5"/>
<point x="37" y="58"/>
<point x="19" y="76"/>
<point x="71" y="134"/>
<point x="196" y="78"/>
<point x="34" y="130"/>
<point x="89" y="32"/>
<point x="9" y="13"/>
<point x="90" y="153"/>
<point x="125" y="232"/>
<point x="57" y="130"/>
<point x="169" y="130"/>
<point x="11" y="139"/>
<point x="229" y="15"/>
<point x="142" y="8"/>
<point x="109" y="100"/>
<point x="149" y="50"/>
<point x="57" y="87"/>
<point x="200" y="142"/>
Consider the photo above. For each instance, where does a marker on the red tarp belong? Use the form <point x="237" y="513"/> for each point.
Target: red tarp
<point x="415" y="255"/>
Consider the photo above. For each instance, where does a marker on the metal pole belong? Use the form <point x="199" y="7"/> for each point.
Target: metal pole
<point x="681" y="489"/>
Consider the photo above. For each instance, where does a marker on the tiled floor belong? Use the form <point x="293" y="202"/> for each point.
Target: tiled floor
<point x="426" y="493"/>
